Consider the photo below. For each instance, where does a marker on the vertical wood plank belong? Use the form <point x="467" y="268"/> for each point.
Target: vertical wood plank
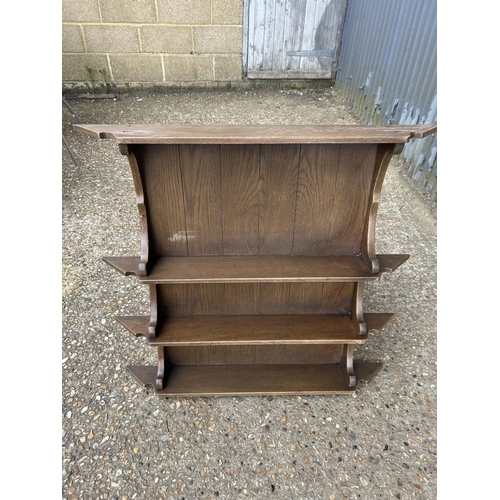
<point x="277" y="54"/>
<point x="174" y="300"/>
<point x="242" y="298"/>
<point x="307" y="63"/>
<point x="161" y="174"/>
<point x="240" y="355"/>
<point x="336" y="298"/>
<point x="278" y="195"/>
<point x="180" y="356"/>
<point x="276" y="27"/>
<point x="274" y="298"/>
<point x="305" y="298"/>
<point x="327" y="353"/>
<point x="300" y="354"/>
<point x="202" y="198"/>
<point x="211" y="355"/>
<point x="257" y="31"/>
<point x="320" y="298"/>
<point x="350" y="208"/>
<point x="240" y="198"/>
<point x="269" y="354"/>
<point x="207" y="298"/>
<point x="315" y="199"/>
<point x="294" y="31"/>
<point x="270" y="22"/>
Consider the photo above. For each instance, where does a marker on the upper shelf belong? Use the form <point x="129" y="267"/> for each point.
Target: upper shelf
<point x="256" y="269"/>
<point x="256" y="134"/>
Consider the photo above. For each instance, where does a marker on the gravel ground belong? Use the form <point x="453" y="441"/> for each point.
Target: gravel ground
<point x="122" y="442"/>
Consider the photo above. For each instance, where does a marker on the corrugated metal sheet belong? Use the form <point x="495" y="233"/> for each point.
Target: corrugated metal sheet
<point x="388" y="72"/>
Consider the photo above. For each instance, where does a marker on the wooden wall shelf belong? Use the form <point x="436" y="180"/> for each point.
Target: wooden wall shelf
<point x="256" y="242"/>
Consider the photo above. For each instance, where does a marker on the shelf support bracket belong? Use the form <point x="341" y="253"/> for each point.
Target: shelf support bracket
<point x="348" y="364"/>
<point x="357" y="308"/>
<point x="153" y="318"/>
<point x="141" y="206"/>
<point x="384" y="155"/>
<point x="162" y="363"/>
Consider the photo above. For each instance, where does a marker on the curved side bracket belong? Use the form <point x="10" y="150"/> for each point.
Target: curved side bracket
<point x="162" y="364"/>
<point x="141" y="206"/>
<point x="153" y="319"/>
<point x="348" y="364"/>
<point x="384" y="155"/>
<point x="357" y="307"/>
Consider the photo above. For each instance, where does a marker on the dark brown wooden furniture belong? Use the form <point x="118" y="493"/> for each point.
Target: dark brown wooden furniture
<point x="256" y="242"/>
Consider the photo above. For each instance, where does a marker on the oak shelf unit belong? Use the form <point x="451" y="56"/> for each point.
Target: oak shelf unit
<point x="256" y="242"/>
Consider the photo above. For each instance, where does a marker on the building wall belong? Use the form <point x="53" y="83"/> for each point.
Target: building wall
<point x="388" y="73"/>
<point x="151" y="41"/>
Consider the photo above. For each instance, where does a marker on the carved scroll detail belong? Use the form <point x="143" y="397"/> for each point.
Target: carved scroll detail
<point x="348" y="364"/>
<point x="141" y="206"/>
<point x="357" y="307"/>
<point x="384" y="155"/>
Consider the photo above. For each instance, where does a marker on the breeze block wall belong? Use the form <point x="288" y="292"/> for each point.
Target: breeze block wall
<point x="151" y="42"/>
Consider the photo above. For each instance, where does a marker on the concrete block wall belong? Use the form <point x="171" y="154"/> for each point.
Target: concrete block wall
<point x="152" y="42"/>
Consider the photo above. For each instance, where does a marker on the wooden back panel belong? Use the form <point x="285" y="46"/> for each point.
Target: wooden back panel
<point x="254" y="298"/>
<point x="255" y="354"/>
<point x="274" y="199"/>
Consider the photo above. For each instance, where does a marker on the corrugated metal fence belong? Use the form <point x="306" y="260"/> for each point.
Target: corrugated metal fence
<point x="388" y="73"/>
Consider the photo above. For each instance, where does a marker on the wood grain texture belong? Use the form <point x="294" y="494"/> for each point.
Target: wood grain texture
<point x="175" y="300"/>
<point x="276" y="28"/>
<point x="336" y="298"/>
<point x="259" y="329"/>
<point x="256" y="243"/>
<point x="316" y="192"/>
<point x="241" y="298"/>
<point x="274" y="298"/>
<point x="278" y="194"/>
<point x="162" y="178"/>
<point x="254" y="380"/>
<point x="240" y="199"/>
<point x="264" y="353"/>
<point x="256" y="269"/>
<point x="208" y="298"/>
<point x="256" y="134"/>
<point x="256" y="330"/>
<point x="252" y="298"/>
<point x="351" y="201"/>
<point x="202" y="198"/>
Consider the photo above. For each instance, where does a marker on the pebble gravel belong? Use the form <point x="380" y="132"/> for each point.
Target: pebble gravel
<point x="121" y="442"/>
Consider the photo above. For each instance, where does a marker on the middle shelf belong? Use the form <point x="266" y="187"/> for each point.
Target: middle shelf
<point x="257" y="329"/>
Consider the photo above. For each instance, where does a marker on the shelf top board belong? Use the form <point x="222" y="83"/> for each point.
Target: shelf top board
<point x="256" y="134"/>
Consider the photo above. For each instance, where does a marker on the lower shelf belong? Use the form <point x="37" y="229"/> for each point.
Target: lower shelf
<point x="254" y="380"/>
